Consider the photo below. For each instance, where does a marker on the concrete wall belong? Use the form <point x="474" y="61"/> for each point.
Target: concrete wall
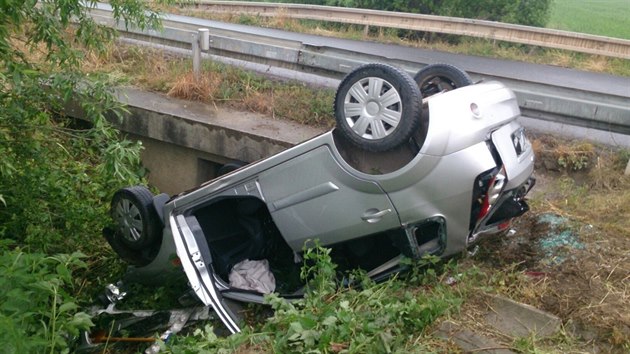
<point x="173" y="169"/>
<point x="186" y="142"/>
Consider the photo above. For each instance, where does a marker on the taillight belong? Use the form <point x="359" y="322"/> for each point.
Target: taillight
<point x="493" y="193"/>
<point x="487" y="190"/>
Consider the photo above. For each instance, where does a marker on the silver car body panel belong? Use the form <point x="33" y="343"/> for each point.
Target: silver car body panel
<point x="308" y="193"/>
<point x="453" y="127"/>
<point x="447" y="194"/>
<point x="313" y="196"/>
<point x="518" y="168"/>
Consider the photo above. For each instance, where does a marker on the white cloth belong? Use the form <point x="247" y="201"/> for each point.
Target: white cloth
<point x="253" y="275"/>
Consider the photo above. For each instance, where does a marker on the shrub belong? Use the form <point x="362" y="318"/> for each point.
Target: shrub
<point x="38" y="314"/>
<point x="355" y="316"/>
<point x="524" y="12"/>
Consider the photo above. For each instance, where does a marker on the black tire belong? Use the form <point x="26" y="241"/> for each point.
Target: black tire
<point x="229" y="167"/>
<point x="378" y="121"/>
<point x="436" y="78"/>
<point x="137" y="224"/>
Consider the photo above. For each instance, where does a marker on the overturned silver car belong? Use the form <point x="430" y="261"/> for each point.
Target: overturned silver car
<point x="401" y="175"/>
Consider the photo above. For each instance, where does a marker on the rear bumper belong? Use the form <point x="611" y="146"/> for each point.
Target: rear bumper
<point x="514" y="205"/>
<point x="511" y="204"/>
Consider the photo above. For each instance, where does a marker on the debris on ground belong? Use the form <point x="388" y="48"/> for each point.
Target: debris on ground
<point x="559" y="239"/>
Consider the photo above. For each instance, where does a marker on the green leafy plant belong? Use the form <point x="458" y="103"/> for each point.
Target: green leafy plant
<point x="622" y="159"/>
<point x="38" y="313"/>
<point x="56" y="174"/>
<point x="526" y="12"/>
<point x="575" y="161"/>
<point x="365" y="317"/>
<point x="527" y="345"/>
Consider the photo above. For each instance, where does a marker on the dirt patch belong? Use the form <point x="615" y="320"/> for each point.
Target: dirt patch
<point x="570" y="255"/>
<point x="592" y="292"/>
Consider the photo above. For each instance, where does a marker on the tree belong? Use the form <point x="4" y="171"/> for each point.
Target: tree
<point x="54" y="170"/>
<point x="56" y="174"/>
<point x="524" y="12"/>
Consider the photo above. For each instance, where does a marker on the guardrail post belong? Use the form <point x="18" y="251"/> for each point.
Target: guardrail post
<point x="200" y="41"/>
<point x="204" y="39"/>
<point x="196" y="55"/>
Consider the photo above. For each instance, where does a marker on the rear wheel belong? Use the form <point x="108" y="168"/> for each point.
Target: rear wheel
<point x="377" y="107"/>
<point x="136" y="221"/>
<point x="436" y="78"/>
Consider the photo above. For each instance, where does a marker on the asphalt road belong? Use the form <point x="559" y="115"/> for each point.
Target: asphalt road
<point x="544" y="74"/>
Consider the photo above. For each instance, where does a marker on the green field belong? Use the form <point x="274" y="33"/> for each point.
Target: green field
<point x="602" y="17"/>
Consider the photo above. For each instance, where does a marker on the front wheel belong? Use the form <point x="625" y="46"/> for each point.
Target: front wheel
<point x="436" y="78"/>
<point x="135" y="218"/>
<point x="378" y="107"/>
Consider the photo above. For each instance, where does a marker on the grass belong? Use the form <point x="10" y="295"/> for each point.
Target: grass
<point x="220" y="84"/>
<point x="609" y="18"/>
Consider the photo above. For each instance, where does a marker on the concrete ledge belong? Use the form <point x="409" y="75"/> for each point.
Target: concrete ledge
<point x="470" y="341"/>
<point x="234" y="135"/>
<point x="520" y="320"/>
<point x="511" y="318"/>
<point x="186" y="142"/>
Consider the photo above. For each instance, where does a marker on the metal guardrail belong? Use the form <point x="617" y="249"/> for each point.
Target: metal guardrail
<point x="578" y="42"/>
<point x="563" y="105"/>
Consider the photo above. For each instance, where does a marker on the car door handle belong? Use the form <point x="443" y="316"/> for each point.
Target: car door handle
<point x="374" y="215"/>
